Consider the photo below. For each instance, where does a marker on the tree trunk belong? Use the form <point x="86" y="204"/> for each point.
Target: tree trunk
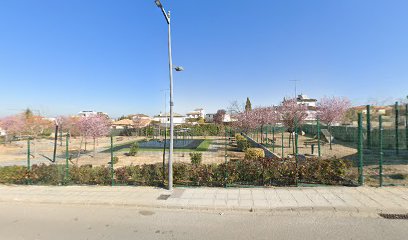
<point x="79" y="151"/>
<point x="290" y="138"/>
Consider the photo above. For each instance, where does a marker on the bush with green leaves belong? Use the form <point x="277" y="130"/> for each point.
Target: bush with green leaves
<point x="259" y="172"/>
<point x="238" y="137"/>
<point x="205" y="129"/>
<point x="46" y="174"/>
<point x="243" y="144"/>
<point x="196" y="158"/>
<point x="134" y="149"/>
<point x="13" y="174"/>
<point x="254" y="153"/>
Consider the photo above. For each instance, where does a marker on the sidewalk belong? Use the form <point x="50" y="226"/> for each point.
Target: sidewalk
<point x="361" y="199"/>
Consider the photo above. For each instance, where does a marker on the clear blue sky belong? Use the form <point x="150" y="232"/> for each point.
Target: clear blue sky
<point x="61" y="57"/>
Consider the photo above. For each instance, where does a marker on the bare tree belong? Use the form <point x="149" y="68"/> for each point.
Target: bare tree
<point x="236" y="108"/>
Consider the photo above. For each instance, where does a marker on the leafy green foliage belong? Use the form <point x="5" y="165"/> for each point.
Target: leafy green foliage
<point x="248" y="105"/>
<point x="196" y="158"/>
<point x="254" y="153"/>
<point x="243" y="144"/>
<point x="259" y="172"/>
<point x="13" y="174"/>
<point x="134" y="149"/>
<point x="207" y="129"/>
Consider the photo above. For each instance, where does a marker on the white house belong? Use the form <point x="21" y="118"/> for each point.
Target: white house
<point x="164" y="119"/>
<point x="92" y="113"/>
<point x="310" y="103"/>
<point x="209" y="118"/>
<point x="305" y="100"/>
<point x="199" y="112"/>
<point x="2" y="132"/>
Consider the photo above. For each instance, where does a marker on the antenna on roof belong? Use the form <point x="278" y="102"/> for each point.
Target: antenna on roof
<point x="295" y="81"/>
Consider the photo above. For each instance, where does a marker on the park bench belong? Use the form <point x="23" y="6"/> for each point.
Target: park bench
<point x="312" y="144"/>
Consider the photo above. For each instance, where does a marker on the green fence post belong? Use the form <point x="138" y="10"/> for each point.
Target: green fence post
<point x="273" y="139"/>
<point x="28" y="162"/>
<point x="360" y="149"/>
<point x="226" y="160"/>
<point x="296" y="153"/>
<point x="282" y="144"/>
<point x="368" y="127"/>
<point x="318" y="138"/>
<point x="396" y="128"/>
<point x="266" y="137"/>
<point x="112" y="170"/>
<point x="381" y="151"/>
<point x="257" y="137"/>
<point x="406" y="125"/>
<point x="66" y="158"/>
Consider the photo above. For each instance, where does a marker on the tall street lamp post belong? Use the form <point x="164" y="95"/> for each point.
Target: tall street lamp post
<point x="170" y="167"/>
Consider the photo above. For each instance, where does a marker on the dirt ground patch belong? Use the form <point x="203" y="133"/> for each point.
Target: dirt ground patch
<point x="42" y="152"/>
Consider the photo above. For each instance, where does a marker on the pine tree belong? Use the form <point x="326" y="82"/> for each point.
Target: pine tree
<point x="28" y="113"/>
<point x="248" y="105"/>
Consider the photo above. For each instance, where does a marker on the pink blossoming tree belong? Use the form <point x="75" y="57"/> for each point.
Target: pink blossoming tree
<point x="292" y="115"/>
<point x="92" y="127"/>
<point x="262" y="116"/>
<point x="332" y="110"/>
<point x="13" y="125"/>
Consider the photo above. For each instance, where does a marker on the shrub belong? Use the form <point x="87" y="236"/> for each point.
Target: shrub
<point x="182" y="172"/>
<point x="46" y="174"/>
<point x="238" y="137"/>
<point x="258" y="172"/>
<point x="101" y="175"/>
<point x="196" y="158"/>
<point x="134" y="149"/>
<point x="115" y="159"/>
<point x="13" y="174"/>
<point x="243" y="144"/>
<point x="206" y="129"/>
<point x="122" y="175"/>
<point x="254" y="153"/>
<point x="81" y="174"/>
<point x="151" y="174"/>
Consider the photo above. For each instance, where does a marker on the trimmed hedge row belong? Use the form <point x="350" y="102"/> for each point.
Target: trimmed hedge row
<point x="260" y="172"/>
<point x="242" y="142"/>
<point x="254" y="153"/>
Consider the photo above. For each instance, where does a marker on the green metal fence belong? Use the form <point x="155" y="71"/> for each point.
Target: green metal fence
<point x="373" y="151"/>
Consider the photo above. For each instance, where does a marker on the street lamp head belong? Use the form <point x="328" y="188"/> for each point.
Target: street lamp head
<point x="158" y="3"/>
<point x="179" y="68"/>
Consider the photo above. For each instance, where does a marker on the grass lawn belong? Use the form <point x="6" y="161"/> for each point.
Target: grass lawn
<point x="204" y="145"/>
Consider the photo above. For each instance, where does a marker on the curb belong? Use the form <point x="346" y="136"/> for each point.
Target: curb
<point x="351" y="210"/>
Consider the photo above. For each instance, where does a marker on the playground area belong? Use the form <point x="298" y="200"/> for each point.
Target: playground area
<point x="150" y="151"/>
